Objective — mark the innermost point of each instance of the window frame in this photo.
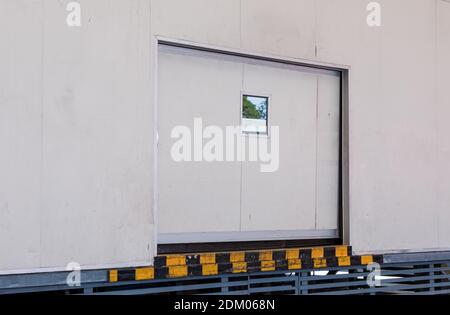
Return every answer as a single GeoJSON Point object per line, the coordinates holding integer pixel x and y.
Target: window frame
{"type": "Point", "coordinates": [241, 118]}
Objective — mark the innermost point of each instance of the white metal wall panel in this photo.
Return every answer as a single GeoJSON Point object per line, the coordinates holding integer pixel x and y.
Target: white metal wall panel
{"type": "Point", "coordinates": [20, 134]}
{"type": "Point", "coordinates": [76, 132]}
{"type": "Point", "coordinates": [97, 136]}
{"type": "Point", "coordinates": [328, 146]}
{"type": "Point", "coordinates": [443, 70]}
{"type": "Point", "coordinates": [268, 199]}
{"type": "Point", "coordinates": [97, 175]}
{"type": "Point", "coordinates": [197, 196]}
{"type": "Point", "coordinates": [282, 28]}
{"type": "Point", "coordinates": [214, 22]}
{"type": "Point", "coordinates": [392, 118]}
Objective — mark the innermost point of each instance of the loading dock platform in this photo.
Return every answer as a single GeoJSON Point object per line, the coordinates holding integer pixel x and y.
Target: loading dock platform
{"type": "Point", "coordinates": [331, 270]}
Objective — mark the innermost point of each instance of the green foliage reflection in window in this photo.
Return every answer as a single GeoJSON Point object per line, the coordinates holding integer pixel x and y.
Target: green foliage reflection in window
{"type": "Point", "coordinates": [254, 107]}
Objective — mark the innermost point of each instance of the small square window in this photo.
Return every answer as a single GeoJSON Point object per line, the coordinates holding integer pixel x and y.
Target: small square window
{"type": "Point", "coordinates": [255, 114]}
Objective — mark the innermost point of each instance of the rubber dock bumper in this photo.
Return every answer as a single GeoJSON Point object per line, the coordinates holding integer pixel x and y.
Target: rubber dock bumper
{"type": "Point", "coordinates": [210, 264]}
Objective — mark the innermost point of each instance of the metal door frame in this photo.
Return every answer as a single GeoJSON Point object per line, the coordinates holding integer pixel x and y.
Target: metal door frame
{"type": "Point", "coordinates": [343, 187]}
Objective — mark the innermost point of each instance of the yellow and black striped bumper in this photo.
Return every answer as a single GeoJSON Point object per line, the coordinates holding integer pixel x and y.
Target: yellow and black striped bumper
{"type": "Point", "coordinates": [209, 264]}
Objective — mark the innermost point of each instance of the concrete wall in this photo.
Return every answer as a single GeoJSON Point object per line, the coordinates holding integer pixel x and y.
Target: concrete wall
{"type": "Point", "coordinates": [76, 117]}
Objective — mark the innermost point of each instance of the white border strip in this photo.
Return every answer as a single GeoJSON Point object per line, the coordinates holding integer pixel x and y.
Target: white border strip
{"type": "Point", "coordinates": [237, 57]}
{"type": "Point", "coordinates": [279, 58]}
{"type": "Point", "coordinates": [220, 237]}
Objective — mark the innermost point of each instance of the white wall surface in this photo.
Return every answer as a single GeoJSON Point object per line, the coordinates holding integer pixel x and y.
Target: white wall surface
{"type": "Point", "coordinates": [443, 123]}
{"type": "Point", "coordinates": [196, 196]}
{"type": "Point", "coordinates": [76, 135]}
{"type": "Point", "coordinates": [76, 117]}
{"type": "Point", "coordinates": [398, 99]}
{"type": "Point", "coordinates": [393, 127]}
{"type": "Point", "coordinates": [20, 133]}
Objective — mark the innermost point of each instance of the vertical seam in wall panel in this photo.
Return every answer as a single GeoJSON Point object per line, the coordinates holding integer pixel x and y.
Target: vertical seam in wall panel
{"type": "Point", "coordinates": [317, 150]}
{"type": "Point", "coordinates": [41, 174]}
{"type": "Point", "coordinates": [153, 61]}
{"type": "Point", "coordinates": [240, 24]}
{"type": "Point", "coordinates": [241, 186]}
{"type": "Point", "coordinates": [315, 31]}
{"type": "Point", "coordinates": [436, 120]}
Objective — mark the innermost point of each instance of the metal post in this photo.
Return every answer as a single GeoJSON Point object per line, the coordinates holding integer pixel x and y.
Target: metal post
{"type": "Point", "coordinates": [303, 283]}
{"type": "Point", "coordinates": [224, 280]}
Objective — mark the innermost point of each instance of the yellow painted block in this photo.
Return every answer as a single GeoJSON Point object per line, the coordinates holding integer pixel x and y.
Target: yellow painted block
{"type": "Point", "coordinates": [145, 273]}
{"type": "Point", "coordinates": [175, 260]}
{"type": "Point", "coordinates": [294, 263]}
{"type": "Point", "coordinates": [366, 260]}
{"type": "Point", "coordinates": [292, 254]}
{"type": "Point", "coordinates": [239, 267]}
{"type": "Point", "coordinates": [113, 276]}
{"type": "Point", "coordinates": [178, 271]}
{"type": "Point", "coordinates": [320, 263]}
{"type": "Point", "coordinates": [344, 261]}
{"type": "Point", "coordinates": [317, 252]}
{"type": "Point", "coordinates": [210, 269]}
{"type": "Point", "coordinates": [265, 255]}
{"type": "Point", "coordinates": [341, 251]}
{"type": "Point", "coordinates": [237, 257]}
{"type": "Point", "coordinates": [207, 259]}
{"type": "Point", "coordinates": [268, 265]}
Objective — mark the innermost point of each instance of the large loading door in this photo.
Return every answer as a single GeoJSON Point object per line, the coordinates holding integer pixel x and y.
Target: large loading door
{"type": "Point", "coordinates": [234, 200]}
